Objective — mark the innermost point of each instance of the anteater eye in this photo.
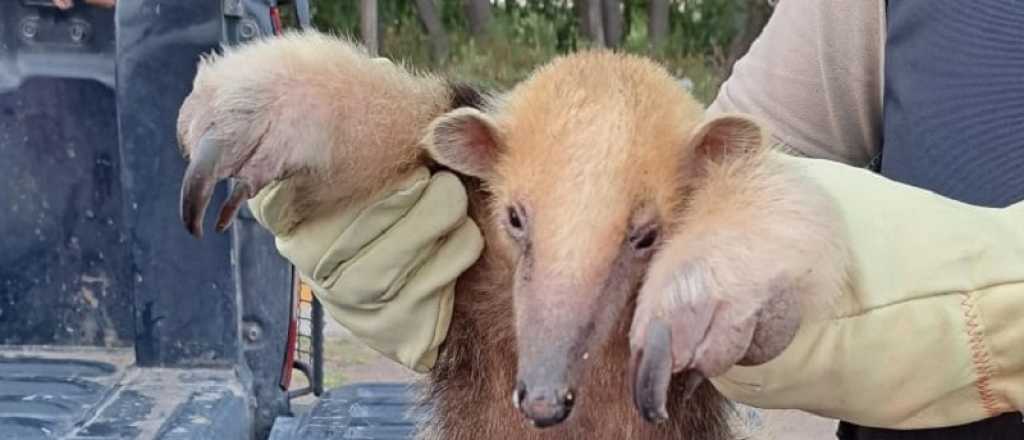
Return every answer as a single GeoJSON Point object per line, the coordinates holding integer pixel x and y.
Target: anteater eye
{"type": "Point", "coordinates": [513, 218]}
{"type": "Point", "coordinates": [645, 239]}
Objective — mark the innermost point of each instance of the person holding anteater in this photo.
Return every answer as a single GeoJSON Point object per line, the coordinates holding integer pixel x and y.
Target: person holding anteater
{"type": "Point", "coordinates": [923, 341]}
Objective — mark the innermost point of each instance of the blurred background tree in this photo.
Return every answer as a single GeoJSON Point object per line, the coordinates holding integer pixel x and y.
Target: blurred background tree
{"type": "Point", "coordinates": [498, 42]}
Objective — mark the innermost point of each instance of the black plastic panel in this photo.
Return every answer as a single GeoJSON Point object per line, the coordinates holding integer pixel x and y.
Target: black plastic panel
{"type": "Point", "coordinates": [92, 394]}
{"type": "Point", "coordinates": [93, 251]}
{"type": "Point", "coordinates": [65, 275]}
{"type": "Point", "coordinates": [43, 398]}
{"type": "Point", "coordinates": [225, 299]}
{"type": "Point", "coordinates": [377, 411]}
{"type": "Point", "coordinates": [266, 281]}
{"type": "Point", "coordinates": [185, 293]}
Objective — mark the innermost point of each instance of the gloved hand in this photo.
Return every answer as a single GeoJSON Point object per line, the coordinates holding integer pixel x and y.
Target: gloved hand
{"type": "Point", "coordinates": [930, 334]}
{"type": "Point", "coordinates": [384, 269]}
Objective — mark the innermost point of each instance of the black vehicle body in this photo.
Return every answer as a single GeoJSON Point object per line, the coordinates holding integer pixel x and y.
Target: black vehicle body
{"type": "Point", "coordinates": [114, 322]}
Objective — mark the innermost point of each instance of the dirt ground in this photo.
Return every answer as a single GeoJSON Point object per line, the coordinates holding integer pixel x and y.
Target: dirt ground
{"type": "Point", "coordinates": [347, 361]}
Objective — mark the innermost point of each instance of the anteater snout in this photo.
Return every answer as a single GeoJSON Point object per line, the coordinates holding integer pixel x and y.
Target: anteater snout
{"type": "Point", "coordinates": [544, 405]}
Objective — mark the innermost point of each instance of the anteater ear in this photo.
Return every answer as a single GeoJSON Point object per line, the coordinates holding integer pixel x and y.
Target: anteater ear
{"type": "Point", "coordinates": [464, 140]}
{"type": "Point", "coordinates": [727, 135]}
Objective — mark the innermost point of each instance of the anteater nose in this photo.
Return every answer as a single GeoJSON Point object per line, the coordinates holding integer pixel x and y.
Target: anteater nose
{"type": "Point", "coordinates": [544, 405]}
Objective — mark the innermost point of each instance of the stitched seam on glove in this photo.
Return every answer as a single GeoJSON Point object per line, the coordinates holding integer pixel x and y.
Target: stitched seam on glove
{"type": "Point", "coordinates": [901, 301]}
{"type": "Point", "coordinates": [912, 298]}
{"type": "Point", "coordinates": [980, 356]}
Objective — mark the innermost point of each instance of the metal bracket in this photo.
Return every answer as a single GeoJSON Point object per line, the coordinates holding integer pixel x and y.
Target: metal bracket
{"type": "Point", "coordinates": [246, 20]}
{"type": "Point", "coordinates": [42, 40]}
{"type": "Point", "coordinates": [233, 8]}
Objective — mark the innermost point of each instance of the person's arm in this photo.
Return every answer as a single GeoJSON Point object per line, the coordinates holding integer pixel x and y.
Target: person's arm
{"type": "Point", "coordinates": [814, 75]}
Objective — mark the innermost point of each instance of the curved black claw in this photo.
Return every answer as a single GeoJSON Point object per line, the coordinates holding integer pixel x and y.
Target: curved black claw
{"type": "Point", "coordinates": [240, 193]}
{"type": "Point", "coordinates": [651, 367]}
{"type": "Point", "coordinates": [692, 381]}
{"type": "Point", "coordinates": [198, 183]}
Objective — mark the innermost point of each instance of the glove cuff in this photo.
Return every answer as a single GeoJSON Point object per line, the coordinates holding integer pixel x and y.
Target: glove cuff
{"type": "Point", "coordinates": [385, 269]}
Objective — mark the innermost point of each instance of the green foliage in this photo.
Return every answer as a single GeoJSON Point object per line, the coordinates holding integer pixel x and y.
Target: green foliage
{"type": "Point", "coordinates": [703, 27]}
{"type": "Point", "coordinates": [525, 33]}
{"type": "Point", "coordinates": [343, 15]}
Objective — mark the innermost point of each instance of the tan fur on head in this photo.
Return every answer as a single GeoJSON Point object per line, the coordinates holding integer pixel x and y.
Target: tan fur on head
{"type": "Point", "coordinates": [597, 135]}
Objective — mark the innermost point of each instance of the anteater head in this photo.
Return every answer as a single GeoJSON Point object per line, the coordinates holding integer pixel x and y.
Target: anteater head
{"type": "Point", "coordinates": [588, 162]}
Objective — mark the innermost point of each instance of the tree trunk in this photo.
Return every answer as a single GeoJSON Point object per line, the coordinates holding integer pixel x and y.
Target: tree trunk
{"type": "Point", "coordinates": [479, 14]}
{"type": "Point", "coordinates": [591, 22]}
{"type": "Point", "coordinates": [627, 18]}
{"type": "Point", "coordinates": [611, 11]}
{"type": "Point", "coordinates": [756, 15]}
{"type": "Point", "coordinates": [657, 22]}
{"type": "Point", "coordinates": [368, 26]}
{"type": "Point", "coordinates": [431, 20]}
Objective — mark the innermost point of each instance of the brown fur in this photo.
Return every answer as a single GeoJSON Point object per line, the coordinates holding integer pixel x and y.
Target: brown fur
{"type": "Point", "coordinates": [595, 143]}
{"type": "Point", "coordinates": [470, 388]}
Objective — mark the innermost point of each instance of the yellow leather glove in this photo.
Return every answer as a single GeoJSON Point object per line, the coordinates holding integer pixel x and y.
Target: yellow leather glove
{"type": "Point", "coordinates": [385, 269]}
{"type": "Point", "coordinates": [931, 333]}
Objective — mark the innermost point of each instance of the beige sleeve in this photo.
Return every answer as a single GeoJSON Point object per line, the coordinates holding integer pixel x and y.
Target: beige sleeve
{"type": "Point", "coordinates": [814, 75]}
